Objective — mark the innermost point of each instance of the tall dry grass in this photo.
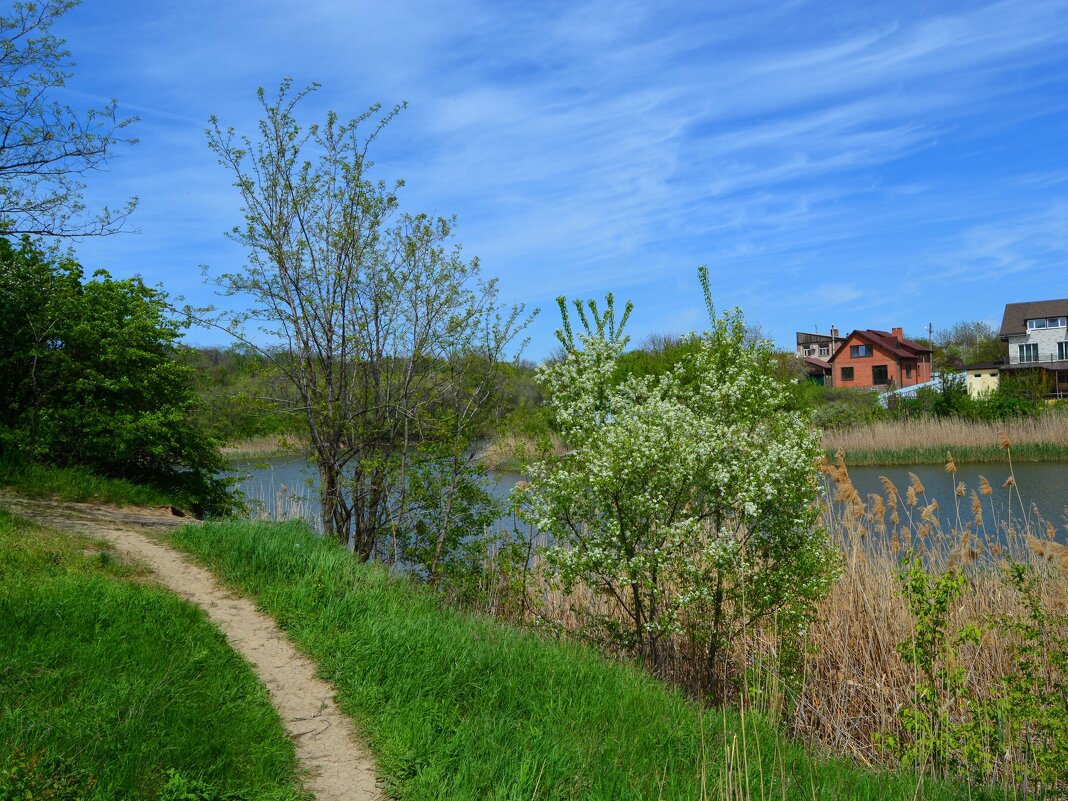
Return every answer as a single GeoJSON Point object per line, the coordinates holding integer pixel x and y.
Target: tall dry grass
{"type": "Point", "coordinates": [510, 451]}
{"type": "Point", "coordinates": [855, 681]}
{"type": "Point", "coordinates": [267, 445]}
{"type": "Point", "coordinates": [948, 434]}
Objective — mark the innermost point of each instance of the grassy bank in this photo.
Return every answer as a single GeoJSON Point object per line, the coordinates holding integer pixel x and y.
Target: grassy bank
{"type": "Point", "coordinates": [108, 684]}
{"type": "Point", "coordinates": [462, 707]}
{"type": "Point", "coordinates": [925, 441]}
{"type": "Point", "coordinates": [77, 484]}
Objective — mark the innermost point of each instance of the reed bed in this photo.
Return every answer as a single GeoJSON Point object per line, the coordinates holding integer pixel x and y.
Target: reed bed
{"type": "Point", "coordinates": [926, 440]}
{"type": "Point", "coordinates": [856, 682]}
{"type": "Point", "coordinates": [510, 451]}
{"type": "Point", "coordinates": [265, 446]}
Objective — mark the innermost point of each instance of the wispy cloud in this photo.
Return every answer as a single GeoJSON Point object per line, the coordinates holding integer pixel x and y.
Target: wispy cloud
{"type": "Point", "coordinates": [595, 145]}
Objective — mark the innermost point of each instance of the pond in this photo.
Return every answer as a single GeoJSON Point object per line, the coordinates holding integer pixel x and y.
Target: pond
{"type": "Point", "coordinates": [1041, 484]}
{"type": "Point", "coordinates": [285, 488]}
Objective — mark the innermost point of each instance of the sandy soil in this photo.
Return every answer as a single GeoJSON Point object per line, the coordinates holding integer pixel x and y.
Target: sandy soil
{"type": "Point", "coordinates": [336, 766]}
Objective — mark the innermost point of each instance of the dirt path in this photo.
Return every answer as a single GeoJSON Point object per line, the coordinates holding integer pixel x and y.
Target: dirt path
{"type": "Point", "coordinates": [336, 767]}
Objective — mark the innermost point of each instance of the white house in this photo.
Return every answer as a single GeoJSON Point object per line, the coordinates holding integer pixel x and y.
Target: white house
{"type": "Point", "coordinates": [1037, 333]}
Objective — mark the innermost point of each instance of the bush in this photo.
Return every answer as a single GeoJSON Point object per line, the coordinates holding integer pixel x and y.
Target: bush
{"type": "Point", "coordinates": [687, 499]}
{"type": "Point", "coordinates": [91, 378]}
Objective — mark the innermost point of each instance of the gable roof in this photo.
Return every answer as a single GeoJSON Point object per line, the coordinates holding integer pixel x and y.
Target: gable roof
{"type": "Point", "coordinates": [1017, 314]}
{"type": "Point", "coordinates": [900, 349]}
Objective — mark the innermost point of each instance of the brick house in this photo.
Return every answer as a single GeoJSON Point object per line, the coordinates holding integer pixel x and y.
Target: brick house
{"type": "Point", "coordinates": [875, 359]}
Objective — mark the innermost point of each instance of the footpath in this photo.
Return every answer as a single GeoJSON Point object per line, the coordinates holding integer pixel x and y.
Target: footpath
{"type": "Point", "coordinates": [334, 764]}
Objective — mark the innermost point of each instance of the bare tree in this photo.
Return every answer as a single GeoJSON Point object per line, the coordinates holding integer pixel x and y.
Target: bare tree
{"type": "Point", "coordinates": [392, 340]}
{"type": "Point", "coordinates": [47, 147]}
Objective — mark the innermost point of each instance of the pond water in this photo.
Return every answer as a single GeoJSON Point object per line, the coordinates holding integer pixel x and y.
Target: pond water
{"type": "Point", "coordinates": [1041, 484]}
{"type": "Point", "coordinates": [285, 488]}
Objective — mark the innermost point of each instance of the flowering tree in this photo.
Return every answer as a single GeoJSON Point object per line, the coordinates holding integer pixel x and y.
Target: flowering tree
{"type": "Point", "coordinates": [687, 500]}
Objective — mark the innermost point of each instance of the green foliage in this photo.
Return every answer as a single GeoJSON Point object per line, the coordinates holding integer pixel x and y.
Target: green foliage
{"type": "Point", "coordinates": [104, 675]}
{"type": "Point", "coordinates": [241, 394]}
{"type": "Point", "coordinates": [77, 484]}
{"type": "Point", "coordinates": [91, 378]}
{"type": "Point", "coordinates": [687, 499]}
{"type": "Point", "coordinates": [939, 739]}
{"type": "Point", "coordinates": [1036, 692]}
{"type": "Point", "coordinates": [948, 731]}
{"type": "Point", "coordinates": [35, 777]}
{"type": "Point", "coordinates": [460, 706]}
{"type": "Point", "coordinates": [391, 341]}
{"type": "Point", "coordinates": [967, 343]}
{"type": "Point", "coordinates": [950, 399]}
{"type": "Point", "coordinates": [179, 788]}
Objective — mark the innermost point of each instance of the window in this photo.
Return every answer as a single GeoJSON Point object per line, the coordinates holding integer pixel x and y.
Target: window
{"type": "Point", "coordinates": [1047, 322]}
{"type": "Point", "coordinates": [858, 351]}
{"type": "Point", "coordinates": [1062, 351]}
{"type": "Point", "coordinates": [880, 374]}
{"type": "Point", "coordinates": [978, 375]}
{"type": "Point", "coordinates": [825, 350]}
{"type": "Point", "coordinates": [847, 373]}
{"type": "Point", "coordinates": [1029, 352]}
{"type": "Point", "coordinates": [908, 371]}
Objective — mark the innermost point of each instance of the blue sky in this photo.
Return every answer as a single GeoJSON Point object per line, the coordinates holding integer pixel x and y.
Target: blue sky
{"type": "Point", "coordinates": [858, 164]}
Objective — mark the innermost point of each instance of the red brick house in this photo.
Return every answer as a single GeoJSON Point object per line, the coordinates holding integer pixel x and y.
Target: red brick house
{"type": "Point", "coordinates": [869, 358]}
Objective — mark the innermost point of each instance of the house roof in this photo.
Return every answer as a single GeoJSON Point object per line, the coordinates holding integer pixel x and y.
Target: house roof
{"type": "Point", "coordinates": [901, 349]}
{"type": "Point", "coordinates": [1017, 314]}
{"type": "Point", "coordinates": [818, 364]}
{"type": "Point", "coordinates": [809, 338]}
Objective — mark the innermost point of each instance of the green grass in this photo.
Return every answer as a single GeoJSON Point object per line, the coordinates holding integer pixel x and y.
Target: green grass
{"type": "Point", "coordinates": [102, 675]}
{"type": "Point", "coordinates": [461, 707]}
{"type": "Point", "coordinates": [936, 454]}
{"type": "Point", "coordinates": [77, 484]}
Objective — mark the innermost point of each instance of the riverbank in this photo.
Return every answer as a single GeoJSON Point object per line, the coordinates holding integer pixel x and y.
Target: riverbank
{"type": "Point", "coordinates": [925, 441]}
{"type": "Point", "coordinates": [459, 705]}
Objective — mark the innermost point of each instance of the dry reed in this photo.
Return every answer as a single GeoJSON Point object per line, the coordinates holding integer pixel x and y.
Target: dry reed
{"type": "Point", "coordinates": [511, 451]}
{"type": "Point", "coordinates": [268, 445]}
{"type": "Point", "coordinates": [947, 434]}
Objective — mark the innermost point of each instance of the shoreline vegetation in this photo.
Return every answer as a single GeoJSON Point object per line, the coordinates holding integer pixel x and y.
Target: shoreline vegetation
{"type": "Point", "coordinates": [459, 704]}
{"type": "Point", "coordinates": [856, 681]}
{"type": "Point", "coordinates": [926, 440]}
{"type": "Point", "coordinates": [883, 443]}
{"type": "Point", "coordinates": [267, 446]}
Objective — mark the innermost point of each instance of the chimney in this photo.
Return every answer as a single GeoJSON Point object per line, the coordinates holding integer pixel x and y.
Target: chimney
{"type": "Point", "coordinates": [834, 332]}
{"type": "Point", "coordinates": [898, 333]}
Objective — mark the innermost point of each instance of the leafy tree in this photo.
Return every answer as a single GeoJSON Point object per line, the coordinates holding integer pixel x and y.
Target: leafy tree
{"type": "Point", "coordinates": [967, 343]}
{"type": "Point", "coordinates": [687, 499]}
{"type": "Point", "coordinates": [90, 377]}
{"type": "Point", "coordinates": [46, 146]}
{"type": "Point", "coordinates": [393, 342]}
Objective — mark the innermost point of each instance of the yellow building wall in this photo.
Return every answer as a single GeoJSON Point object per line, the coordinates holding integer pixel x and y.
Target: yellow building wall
{"type": "Point", "coordinates": [980, 381]}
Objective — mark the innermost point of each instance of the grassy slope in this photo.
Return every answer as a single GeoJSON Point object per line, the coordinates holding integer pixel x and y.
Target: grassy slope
{"type": "Point", "coordinates": [77, 484]}
{"type": "Point", "coordinates": [462, 707]}
{"type": "Point", "coordinates": [124, 681]}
